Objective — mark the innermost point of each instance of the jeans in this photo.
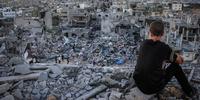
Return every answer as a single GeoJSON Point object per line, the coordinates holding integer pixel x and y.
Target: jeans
{"type": "Point", "coordinates": [176, 70]}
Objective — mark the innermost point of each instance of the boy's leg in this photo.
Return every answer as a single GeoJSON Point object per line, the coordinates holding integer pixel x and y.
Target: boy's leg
{"type": "Point", "coordinates": [176, 70]}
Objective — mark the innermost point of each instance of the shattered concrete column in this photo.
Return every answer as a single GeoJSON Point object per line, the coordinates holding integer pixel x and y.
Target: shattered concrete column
{"type": "Point", "coordinates": [93, 92]}
{"type": "Point", "coordinates": [195, 40]}
{"type": "Point", "coordinates": [187, 35]}
{"type": "Point", "coordinates": [167, 38]}
{"type": "Point", "coordinates": [182, 38]}
{"type": "Point", "coordinates": [48, 20]}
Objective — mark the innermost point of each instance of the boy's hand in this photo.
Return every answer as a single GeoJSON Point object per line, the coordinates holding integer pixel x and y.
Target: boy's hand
{"type": "Point", "coordinates": [179, 59]}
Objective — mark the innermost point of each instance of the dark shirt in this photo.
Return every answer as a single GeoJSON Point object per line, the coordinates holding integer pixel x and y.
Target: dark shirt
{"type": "Point", "coordinates": [149, 71]}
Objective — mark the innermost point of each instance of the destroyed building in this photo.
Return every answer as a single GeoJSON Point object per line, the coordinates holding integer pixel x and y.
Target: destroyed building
{"type": "Point", "coordinates": [87, 49]}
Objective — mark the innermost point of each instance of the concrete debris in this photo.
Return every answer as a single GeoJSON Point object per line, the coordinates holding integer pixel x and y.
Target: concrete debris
{"type": "Point", "coordinates": [43, 76]}
{"type": "Point", "coordinates": [56, 70]}
{"type": "Point", "coordinates": [2, 48]}
{"type": "Point", "coordinates": [38, 67]}
{"type": "Point", "coordinates": [19, 77]}
{"type": "Point", "coordinates": [8, 97]}
{"type": "Point", "coordinates": [87, 49]}
{"type": "Point", "coordinates": [19, 84]}
{"type": "Point", "coordinates": [22, 69]}
{"type": "Point", "coordinates": [44, 92]}
{"type": "Point", "coordinates": [115, 95]}
{"type": "Point", "coordinates": [15, 61]}
{"type": "Point", "coordinates": [136, 94]}
{"type": "Point", "coordinates": [3, 59]}
{"type": "Point", "coordinates": [191, 74]}
{"type": "Point", "coordinates": [35, 94]}
{"type": "Point", "coordinates": [4, 88]}
{"type": "Point", "coordinates": [93, 92]}
{"type": "Point", "coordinates": [42, 84]}
{"type": "Point", "coordinates": [18, 94]}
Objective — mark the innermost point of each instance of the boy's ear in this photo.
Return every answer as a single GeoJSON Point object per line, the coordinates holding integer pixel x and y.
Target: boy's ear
{"type": "Point", "coordinates": [162, 34]}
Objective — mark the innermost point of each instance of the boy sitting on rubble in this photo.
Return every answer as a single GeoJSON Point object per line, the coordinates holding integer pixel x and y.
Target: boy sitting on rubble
{"type": "Point", "coordinates": [157, 63]}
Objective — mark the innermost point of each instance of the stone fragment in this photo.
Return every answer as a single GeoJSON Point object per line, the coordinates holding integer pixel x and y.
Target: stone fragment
{"type": "Point", "coordinates": [4, 88]}
{"type": "Point", "coordinates": [36, 96]}
{"type": "Point", "coordinates": [3, 59]}
{"type": "Point", "coordinates": [43, 76]}
{"type": "Point", "coordinates": [8, 97]}
{"type": "Point", "coordinates": [18, 94]}
{"type": "Point", "coordinates": [115, 95]}
{"type": "Point", "coordinates": [27, 96]}
{"type": "Point", "coordinates": [15, 61]}
{"type": "Point", "coordinates": [35, 91]}
{"type": "Point", "coordinates": [56, 70]}
{"type": "Point", "coordinates": [2, 47]}
{"type": "Point", "coordinates": [44, 92]}
{"type": "Point", "coordinates": [42, 84]}
{"type": "Point", "coordinates": [53, 75]}
{"type": "Point", "coordinates": [20, 77]}
{"type": "Point", "coordinates": [103, 99]}
{"type": "Point", "coordinates": [68, 95]}
{"type": "Point", "coordinates": [22, 69]}
{"type": "Point", "coordinates": [136, 94]}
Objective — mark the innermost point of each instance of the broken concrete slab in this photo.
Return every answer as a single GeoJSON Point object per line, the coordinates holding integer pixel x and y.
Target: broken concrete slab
{"type": "Point", "coordinates": [42, 84]}
{"type": "Point", "coordinates": [15, 61]}
{"type": "Point", "coordinates": [8, 97]}
{"type": "Point", "coordinates": [92, 92]}
{"type": "Point", "coordinates": [44, 92]}
{"type": "Point", "coordinates": [22, 69]}
{"type": "Point", "coordinates": [35, 95]}
{"type": "Point", "coordinates": [3, 59]}
{"type": "Point", "coordinates": [53, 75]}
{"type": "Point", "coordinates": [108, 81]}
{"type": "Point", "coordinates": [35, 91]}
{"type": "Point", "coordinates": [136, 94]}
{"type": "Point", "coordinates": [115, 95]}
{"type": "Point", "coordinates": [19, 84]}
{"type": "Point", "coordinates": [191, 74]}
{"type": "Point", "coordinates": [38, 67]}
{"type": "Point", "coordinates": [19, 77]}
{"type": "Point", "coordinates": [4, 88]}
{"type": "Point", "coordinates": [3, 47]}
{"type": "Point", "coordinates": [56, 70]}
{"type": "Point", "coordinates": [68, 95]}
{"type": "Point", "coordinates": [43, 76]}
{"type": "Point", "coordinates": [18, 94]}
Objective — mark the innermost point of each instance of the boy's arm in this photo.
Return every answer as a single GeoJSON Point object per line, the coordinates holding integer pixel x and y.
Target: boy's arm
{"type": "Point", "coordinates": [175, 57]}
{"type": "Point", "coordinates": [179, 59]}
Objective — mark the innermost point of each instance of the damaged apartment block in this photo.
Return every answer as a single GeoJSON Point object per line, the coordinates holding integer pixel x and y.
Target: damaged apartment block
{"type": "Point", "coordinates": [88, 49]}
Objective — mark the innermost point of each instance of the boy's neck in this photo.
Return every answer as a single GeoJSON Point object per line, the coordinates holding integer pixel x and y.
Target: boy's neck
{"type": "Point", "coordinates": [155, 38]}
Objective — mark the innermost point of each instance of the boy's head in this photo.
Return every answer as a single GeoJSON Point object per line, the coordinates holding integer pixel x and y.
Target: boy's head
{"type": "Point", "coordinates": [157, 28]}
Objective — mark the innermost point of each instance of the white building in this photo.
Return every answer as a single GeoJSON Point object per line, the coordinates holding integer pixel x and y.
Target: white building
{"type": "Point", "coordinates": [8, 12]}
{"type": "Point", "coordinates": [177, 7]}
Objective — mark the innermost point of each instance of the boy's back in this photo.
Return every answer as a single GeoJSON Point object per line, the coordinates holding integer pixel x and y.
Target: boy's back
{"type": "Point", "coordinates": [149, 70]}
{"type": "Point", "coordinates": [152, 71]}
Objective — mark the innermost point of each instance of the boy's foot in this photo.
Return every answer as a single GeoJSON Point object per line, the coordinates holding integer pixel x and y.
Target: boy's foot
{"type": "Point", "coordinates": [194, 93]}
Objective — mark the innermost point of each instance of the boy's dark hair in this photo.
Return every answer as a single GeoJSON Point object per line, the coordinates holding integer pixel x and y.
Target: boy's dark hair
{"type": "Point", "coordinates": [157, 28]}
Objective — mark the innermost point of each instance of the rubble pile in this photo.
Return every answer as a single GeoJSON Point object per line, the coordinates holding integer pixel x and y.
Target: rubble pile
{"type": "Point", "coordinates": [75, 82]}
{"type": "Point", "coordinates": [87, 49]}
{"type": "Point", "coordinates": [96, 69]}
{"type": "Point", "coordinates": [62, 81]}
{"type": "Point", "coordinates": [103, 50]}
